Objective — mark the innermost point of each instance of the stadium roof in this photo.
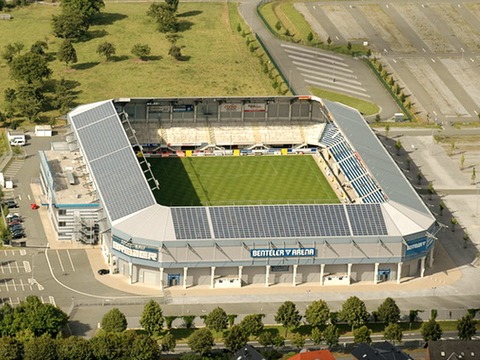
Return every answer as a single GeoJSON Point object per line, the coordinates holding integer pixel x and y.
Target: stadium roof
{"type": "Point", "coordinates": [112, 164]}
{"type": "Point", "coordinates": [381, 165]}
{"type": "Point", "coordinates": [133, 211]}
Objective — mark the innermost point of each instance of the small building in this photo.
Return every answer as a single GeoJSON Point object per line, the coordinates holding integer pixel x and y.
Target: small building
{"type": "Point", "coordinates": [43, 130]}
{"type": "Point", "coordinates": [313, 355]}
{"type": "Point", "coordinates": [68, 194]}
{"type": "Point", "coordinates": [379, 351]}
{"type": "Point", "coordinates": [16, 138]}
{"type": "Point", "coordinates": [247, 352]}
{"type": "Point", "coordinates": [453, 350]}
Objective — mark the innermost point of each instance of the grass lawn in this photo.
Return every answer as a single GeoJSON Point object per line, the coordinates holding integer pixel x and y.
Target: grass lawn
{"type": "Point", "coordinates": [219, 62]}
{"type": "Point", "coordinates": [365, 107]}
{"type": "Point", "coordinates": [241, 180]}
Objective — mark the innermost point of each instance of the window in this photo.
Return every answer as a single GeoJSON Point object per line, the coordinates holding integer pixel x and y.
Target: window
{"type": "Point", "coordinates": [62, 223]}
{"type": "Point", "coordinates": [62, 212]}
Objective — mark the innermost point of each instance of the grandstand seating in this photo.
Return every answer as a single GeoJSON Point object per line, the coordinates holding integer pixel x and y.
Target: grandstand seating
{"type": "Point", "coordinates": [360, 180]}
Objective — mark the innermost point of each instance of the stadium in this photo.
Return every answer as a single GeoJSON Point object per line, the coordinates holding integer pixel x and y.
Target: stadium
{"type": "Point", "coordinates": [323, 202]}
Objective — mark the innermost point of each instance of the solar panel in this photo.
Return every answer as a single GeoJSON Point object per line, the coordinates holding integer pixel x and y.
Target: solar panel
{"type": "Point", "coordinates": [113, 164]}
{"type": "Point", "coordinates": [124, 190]}
{"type": "Point", "coordinates": [190, 223]}
{"type": "Point", "coordinates": [278, 221]}
{"type": "Point", "coordinates": [366, 219]}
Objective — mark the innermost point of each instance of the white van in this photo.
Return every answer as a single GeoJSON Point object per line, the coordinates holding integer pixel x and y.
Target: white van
{"type": "Point", "coordinates": [17, 142]}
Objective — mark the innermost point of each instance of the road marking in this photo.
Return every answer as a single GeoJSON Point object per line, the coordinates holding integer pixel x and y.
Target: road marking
{"type": "Point", "coordinates": [41, 298]}
{"type": "Point", "coordinates": [60, 261]}
{"type": "Point", "coordinates": [336, 37]}
{"type": "Point", "coordinates": [434, 113]}
{"type": "Point", "coordinates": [29, 198]}
{"type": "Point", "coordinates": [386, 6]}
{"type": "Point", "coordinates": [70, 258]}
{"type": "Point", "coordinates": [424, 50]}
{"type": "Point", "coordinates": [6, 285]}
{"type": "Point", "coordinates": [27, 267]}
{"type": "Point", "coordinates": [476, 112]}
{"type": "Point", "coordinates": [462, 50]}
{"type": "Point", "coordinates": [423, 6]}
{"type": "Point", "coordinates": [3, 272]}
{"type": "Point", "coordinates": [433, 60]}
{"type": "Point", "coordinates": [52, 300]}
{"type": "Point", "coordinates": [40, 287]}
{"type": "Point", "coordinates": [385, 50]}
{"type": "Point", "coordinates": [395, 61]}
{"type": "Point", "coordinates": [314, 7]}
{"type": "Point", "coordinates": [19, 197]}
{"type": "Point", "coordinates": [23, 252]}
{"type": "Point", "coordinates": [9, 268]}
{"type": "Point", "coordinates": [472, 60]}
{"type": "Point", "coordinates": [14, 286]}
{"type": "Point", "coordinates": [16, 264]}
{"type": "Point", "coordinates": [21, 284]}
{"type": "Point", "coordinates": [11, 302]}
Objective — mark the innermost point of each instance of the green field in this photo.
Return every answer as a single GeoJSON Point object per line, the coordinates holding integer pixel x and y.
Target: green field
{"type": "Point", "coordinates": [241, 181]}
{"type": "Point", "coordinates": [218, 60]}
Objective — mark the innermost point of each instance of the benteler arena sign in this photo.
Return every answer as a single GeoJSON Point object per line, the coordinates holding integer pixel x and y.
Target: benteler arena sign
{"type": "Point", "coordinates": [285, 252]}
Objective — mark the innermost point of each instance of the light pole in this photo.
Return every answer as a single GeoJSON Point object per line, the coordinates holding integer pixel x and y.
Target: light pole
{"type": "Point", "coordinates": [433, 289]}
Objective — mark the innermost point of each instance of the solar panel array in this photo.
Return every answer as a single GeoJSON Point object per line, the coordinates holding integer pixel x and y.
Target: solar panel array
{"type": "Point", "coordinates": [277, 221]}
{"type": "Point", "coordinates": [366, 219]}
{"type": "Point", "coordinates": [114, 166]}
{"type": "Point", "coordinates": [190, 223]}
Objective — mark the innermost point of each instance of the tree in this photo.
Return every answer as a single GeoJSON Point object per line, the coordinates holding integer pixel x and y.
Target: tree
{"type": "Point", "coordinates": [317, 313]}
{"type": "Point", "coordinates": [12, 50]}
{"type": "Point", "coordinates": [11, 348]}
{"type": "Point", "coordinates": [106, 49]}
{"type": "Point", "coordinates": [310, 37]}
{"type": "Point", "coordinates": [298, 340]}
{"type": "Point", "coordinates": [217, 319]}
{"type": "Point", "coordinates": [252, 324]}
{"type": "Point", "coordinates": [235, 338]}
{"type": "Point", "coordinates": [168, 342]}
{"type": "Point", "coordinates": [114, 321]}
{"type": "Point", "coordinates": [70, 25]}
{"type": "Point", "coordinates": [30, 68]}
{"type": "Point", "coordinates": [143, 347]}
{"type": "Point", "coordinates": [362, 335]}
{"type": "Point", "coordinates": [152, 318]}
{"type": "Point", "coordinates": [288, 315]}
{"type": "Point", "coordinates": [111, 345]}
{"type": "Point", "coordinates": [331, 335]}
{"type": "Point", "coordinates": [393, 332]}
{"type": "Point", "coordinates": [141, 51]}
{"type": "Point", "coordinates": [67, 53]}
{"type": "Point", "coordinates": [278, 25]}
{"type": "Point", "coordinates": [164, 16]}
{"type": "Point", "coordinates": [62, 96]}
{"type": "Point", "coordinates": [188, 320]}
{"type": "Point", "coordinates": [474, 176]}
{"type": "Point", "coordinates": [39, 47]}
{"type": "Point", "coordinates": [201, 341]}
{"type": "Point", "coordinates": [3, 3]}
{"type": "Point", "coordinates": [354, 312]}
{"type": "Point", "coordinates": [316, 336]}
{"type": "Point", "coordinates": [387, 130]}
{"type": "Point", "coordinates": [87, 8]}
{"type": "Point", "coordinates": [169, 321]}
{"type": "Point", "coordinates": [42, 347]}
{"type": "Point", "coordinates": [454, 222]}
{"type": "Point", "coordinates": [466, 327]}
{"type": "Point", "coordinates": [172, 4]}
{"type": "Point", "coordinates": [398, 146]}
{"type": "Point", "coordinates": [431, 330]}
{"type": "Point", "coordinates": [349, 46]}
{"type": "Point", "coordinates": [388, 311]}
{"type": "Point", "coordinates": [329, 41]}
{"type": "Point", "coordinates": [74, 348]}
{"type": "Point", "coordinates": [174, 51]}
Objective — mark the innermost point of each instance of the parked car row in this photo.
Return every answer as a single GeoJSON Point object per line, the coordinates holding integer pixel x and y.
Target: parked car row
{"type": "Point", "coordinates": [15, 226]}
{"type": "Point", "coordinates": [11, 204]}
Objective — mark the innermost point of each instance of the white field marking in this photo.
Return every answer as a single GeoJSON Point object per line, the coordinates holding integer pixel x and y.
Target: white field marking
{"type": "Point", "coordinates": [60, 261]}
{"type": "Point", "coordinates": [70, 258]}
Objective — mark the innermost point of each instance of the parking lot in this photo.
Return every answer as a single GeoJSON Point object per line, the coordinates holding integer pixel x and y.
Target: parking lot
{"type": "Point", "coordinates": [430, 48]}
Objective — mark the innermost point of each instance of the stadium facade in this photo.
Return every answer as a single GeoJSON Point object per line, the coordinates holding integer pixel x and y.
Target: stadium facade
{"type": "Point", "coordinates": [381, 230]}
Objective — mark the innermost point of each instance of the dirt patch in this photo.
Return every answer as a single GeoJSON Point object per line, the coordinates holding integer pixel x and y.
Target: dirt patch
{"type": "Point", "coordinates": [424, 28]}
{"type": "Point", "coordinates": [387, 29]}
{"type": "Point", "coordinates": [439, 93]}
{"type": "Point", "coordinates": [466, 73]}
{"type": "Point", "coordinates": [344, 22]}
{"type": "Point", "coordinates": [462, 29]}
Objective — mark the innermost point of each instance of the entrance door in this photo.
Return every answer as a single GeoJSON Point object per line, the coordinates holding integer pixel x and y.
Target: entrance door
{"type": "Point", "coordinates": [173, 279]}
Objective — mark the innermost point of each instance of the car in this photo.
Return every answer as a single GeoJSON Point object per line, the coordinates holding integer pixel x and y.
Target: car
{"type": "Point", "coordinates": [11, 204]}
{"type": "Point", "coordinates": [103, 272]}
{"type": "Point", "coordinates": [16, 227]}
{"type": "Point", "coordinates": [14, 222]}
{"type": "Point", "coordinates": [12, 215]}
{"type": "Point", "coordinates": [18, 235]}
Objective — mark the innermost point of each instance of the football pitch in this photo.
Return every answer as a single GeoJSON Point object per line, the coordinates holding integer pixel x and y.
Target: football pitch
{"type": "Point", "coordinates": [237, 180]}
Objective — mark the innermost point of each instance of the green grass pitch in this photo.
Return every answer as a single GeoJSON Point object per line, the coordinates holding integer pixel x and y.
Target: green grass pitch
{"type": "Point", "coordinates": [216, 181]}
